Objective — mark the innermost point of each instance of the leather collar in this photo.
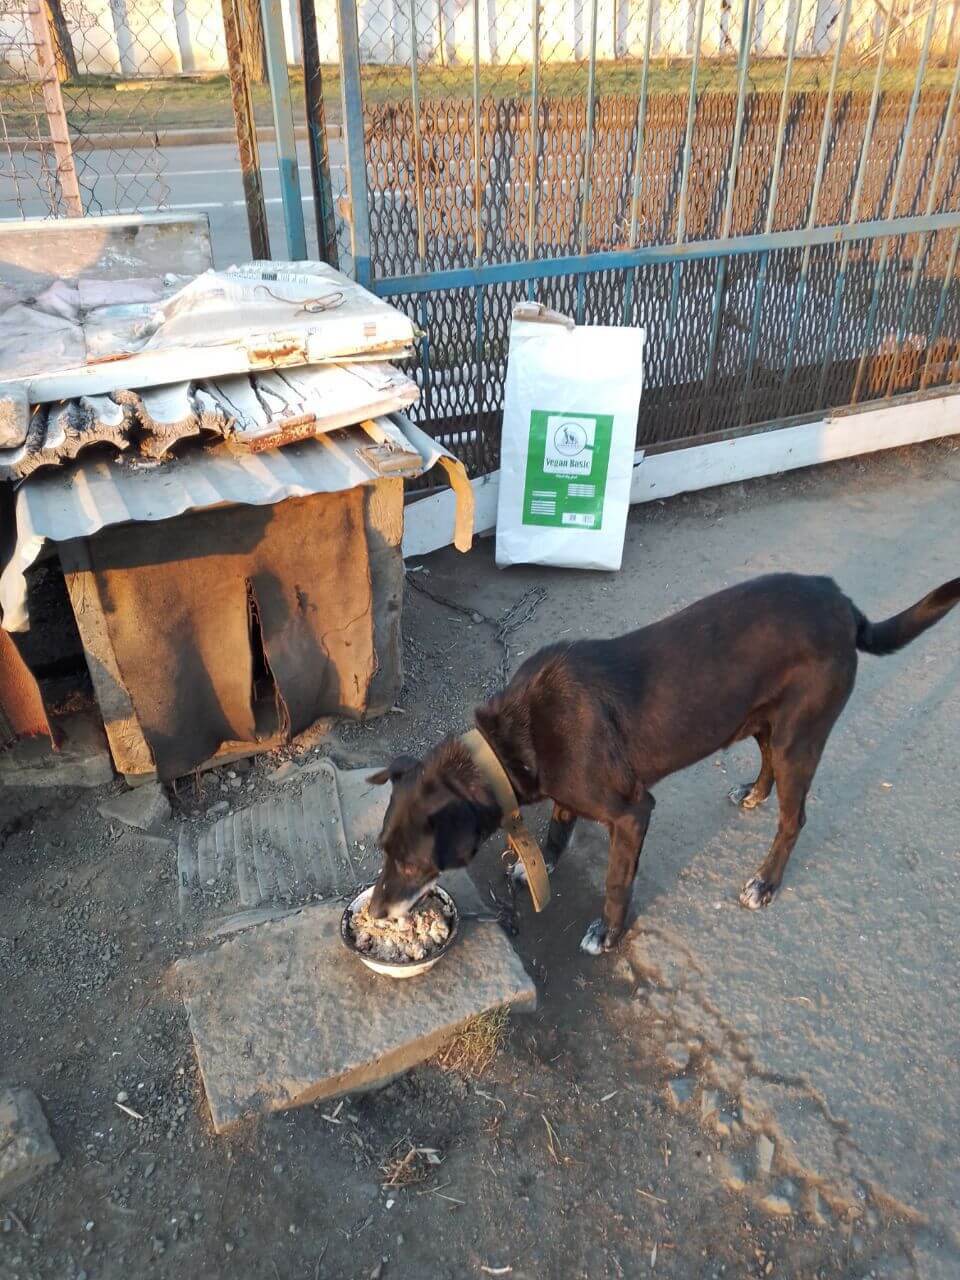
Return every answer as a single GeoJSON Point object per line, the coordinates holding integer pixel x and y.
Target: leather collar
{"type": "Point", "coordinates": [518, 837]}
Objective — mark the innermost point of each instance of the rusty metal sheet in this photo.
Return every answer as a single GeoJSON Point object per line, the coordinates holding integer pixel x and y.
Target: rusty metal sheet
{"type": "Point", "coordinates": [22, 713]}
{"type": "Point", "coordinates": [193, 608]}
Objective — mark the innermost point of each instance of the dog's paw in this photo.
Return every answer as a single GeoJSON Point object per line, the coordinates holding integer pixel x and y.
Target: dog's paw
{"type": "Point", "coordinates": [743, 796]}
{"type": "Point", "coordinates": [757, 893]}
{"type": "Point", "coordinates": [517, 873]}
{"type": "Point", "coordinates": [596, 941]}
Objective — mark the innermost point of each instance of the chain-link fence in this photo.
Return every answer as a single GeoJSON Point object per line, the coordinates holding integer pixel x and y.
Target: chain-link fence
{"type": "Point", "coordinates": [522, 131]}
{"type": "Point", "coordinates": [92, 88]}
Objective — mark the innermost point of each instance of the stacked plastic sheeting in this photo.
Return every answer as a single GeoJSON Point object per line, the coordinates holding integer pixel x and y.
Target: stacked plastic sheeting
{"type": "Point", "coordinates": [260, 356]}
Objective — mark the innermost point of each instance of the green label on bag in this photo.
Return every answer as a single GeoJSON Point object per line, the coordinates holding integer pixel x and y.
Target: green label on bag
{"type": "Point", "coordinates": [567, 459]}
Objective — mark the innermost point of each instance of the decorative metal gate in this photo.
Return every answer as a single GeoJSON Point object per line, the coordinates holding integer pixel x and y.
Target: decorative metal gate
{"type": "Point", "coordinates": [772, 193]}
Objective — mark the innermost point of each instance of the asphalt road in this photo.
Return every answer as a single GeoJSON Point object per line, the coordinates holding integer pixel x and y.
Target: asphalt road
{"type": "Point", "coordinates": [197, 179]}
{"type": "Point", "coordinates": [822, 1034]}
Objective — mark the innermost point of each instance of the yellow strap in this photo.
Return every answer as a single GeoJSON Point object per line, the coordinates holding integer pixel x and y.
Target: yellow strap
{"type": "Point", "coordinates": [465, 502]}
{"type": "Point", "coordinates": [518, 837]}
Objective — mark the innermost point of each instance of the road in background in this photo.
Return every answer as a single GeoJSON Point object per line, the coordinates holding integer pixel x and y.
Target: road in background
{"type": "Point", "coordinates": [202, 179]}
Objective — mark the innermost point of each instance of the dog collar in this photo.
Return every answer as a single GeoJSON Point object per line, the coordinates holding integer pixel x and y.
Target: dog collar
{"type": "Point", "coordinates": [518, 837]}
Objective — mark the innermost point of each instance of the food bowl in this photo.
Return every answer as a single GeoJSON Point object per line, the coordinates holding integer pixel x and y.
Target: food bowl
{"type": "Point", "coordinates": [400, 968]}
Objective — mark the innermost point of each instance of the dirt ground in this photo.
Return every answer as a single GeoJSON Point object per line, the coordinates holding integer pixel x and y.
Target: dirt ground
{"type": "Point", "coordinates": [625, 1129]}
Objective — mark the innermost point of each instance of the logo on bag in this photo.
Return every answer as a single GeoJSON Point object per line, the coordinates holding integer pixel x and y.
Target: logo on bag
{"type": "Point", "coordinates": [569, 445]}
{"type": "Point", "coordinates": [570, 439]}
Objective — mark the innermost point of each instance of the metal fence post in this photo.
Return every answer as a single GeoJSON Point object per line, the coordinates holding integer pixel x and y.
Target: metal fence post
{"type": "Point", "coordinates": [726, 223]}
{"type": "Point", "coordinates": [894, 201]}
{"type": "Point", "coordinates": [584, 202]}
{"type": "Point", "coordinates": [840, 282]}
{"type": "Point", "coordinates": [685, 171]}
{"type": "Point", "coordinates": [246, 131]}
{"type": "Point", "coordinates": [763, 264]}
{"type": "Point", "coordinates": [286, 144]}
{"type": "Point", "coordinates": [417, 139]}
{"type": "Point", "coordinates": [826, 131]}
{"type": "Point", "coordinates": [906, 312]}
{"type": "Point", "coordinates": [584, 209]}
{"type": "Point", "coordinates": [317, 132]}
{"type": "Point", "coordinates": [630, 281]}
{"type": "Point", "coordinates": [356, 150]}
{"type": "Point", "coordinates": [534, 140]}
{"type": "Point", "coordinates": [477, 140]}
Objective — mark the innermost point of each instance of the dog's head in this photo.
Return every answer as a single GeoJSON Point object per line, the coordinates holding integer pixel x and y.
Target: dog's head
{"type": "Point", "coordinates": [441, 810]}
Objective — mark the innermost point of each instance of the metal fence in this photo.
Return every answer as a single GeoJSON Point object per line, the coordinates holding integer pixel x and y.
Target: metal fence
{"type": "Point", "coordinates": [770, 190]}
{"type": "Point", "coordinates": [769, 187]}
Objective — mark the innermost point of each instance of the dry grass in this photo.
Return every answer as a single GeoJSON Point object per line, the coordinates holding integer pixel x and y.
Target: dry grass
{"type": "Point", "coordinates": [416, 1164]}
{"type": "Point", "coordinates": [101, 103]}
{"type": "Point", "coordinates": [476, 1044]}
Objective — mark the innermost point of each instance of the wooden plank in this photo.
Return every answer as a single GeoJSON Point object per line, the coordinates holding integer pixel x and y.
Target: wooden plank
{"type": "Point", "coordinates": [131, 753]}
{"type": "Point", "coordinates": [22, 713]}
{"type": "Point", "coordinates": [281, 407]}
{"type": "Point", "coordinates": [429, 521]}
{"type": "Point", "coordinates": [383, 517]}
{"type": "Point", "coordinates": [241, 94]}
{"type": "Point", "coordinates": [391, 453]}
{"type": "Point", "coordinates": [55, 112]}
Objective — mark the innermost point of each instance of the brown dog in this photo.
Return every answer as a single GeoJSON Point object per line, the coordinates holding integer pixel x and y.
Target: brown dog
{"type": "Point", "coordinates": [594, 725]}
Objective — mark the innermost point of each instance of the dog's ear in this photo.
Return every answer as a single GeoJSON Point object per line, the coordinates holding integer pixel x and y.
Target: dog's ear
{"type": "Point", "coordinates": [394, 770]}
{"type": "Point", "coordinates": [456, 834]}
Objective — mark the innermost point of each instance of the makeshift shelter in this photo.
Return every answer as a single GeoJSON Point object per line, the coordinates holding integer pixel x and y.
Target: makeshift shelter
{"type": "Point", "coordinates": [231, 544]}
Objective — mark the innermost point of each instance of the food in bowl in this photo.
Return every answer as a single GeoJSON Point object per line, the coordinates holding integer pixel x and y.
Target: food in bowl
{"type": "Point", "coordinates": [417, 936]}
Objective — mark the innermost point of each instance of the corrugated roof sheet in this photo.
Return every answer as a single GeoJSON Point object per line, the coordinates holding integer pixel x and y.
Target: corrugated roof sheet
{"type": "Point", "coordinates": [75, 502]}
{"type": "Point", "coordinates": [255, 411]}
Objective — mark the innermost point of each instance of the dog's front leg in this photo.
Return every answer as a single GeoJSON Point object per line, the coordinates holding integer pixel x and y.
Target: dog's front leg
{"type": "Point", "coordinates": [627, 834]}
{"type": "Point", "coordinates": [559, 838]}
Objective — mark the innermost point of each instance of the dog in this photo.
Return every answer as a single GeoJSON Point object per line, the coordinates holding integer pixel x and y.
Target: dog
{"type": "Point", "coordinates": [594, 725]}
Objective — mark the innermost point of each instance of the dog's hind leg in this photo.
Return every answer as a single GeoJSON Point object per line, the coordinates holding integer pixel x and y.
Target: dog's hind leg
{"type": "Point", "coordinates": [627, 834]}
{"type": "Point", "coordinates": [794, 776]}
{"type": "Point", "coordinates": [559, 839]}
{"type": "Point", "coordinates": [797, 739]}
{"type": "Point", "coordinates": [748, 795]}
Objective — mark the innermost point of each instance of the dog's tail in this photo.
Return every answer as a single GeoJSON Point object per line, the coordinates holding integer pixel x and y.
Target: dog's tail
{"type": "Point", "coordinates": [893, 633]}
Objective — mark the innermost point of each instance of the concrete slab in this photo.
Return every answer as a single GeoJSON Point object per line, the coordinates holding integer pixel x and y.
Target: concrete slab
{"type": "Point", "coordinates": [363, 804]}
{"type": "Point", "coordinates": [145, 807]}
{"type": "Point", "coordinates": [282, 1015]}
{"type": "Point", "coordinates": [291, 847]}
{"type": "Point", "coordinates": [26, 1148]}
{"type": "Point", "coordinates": [83, 758]}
